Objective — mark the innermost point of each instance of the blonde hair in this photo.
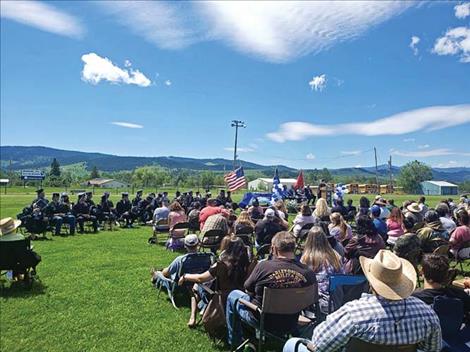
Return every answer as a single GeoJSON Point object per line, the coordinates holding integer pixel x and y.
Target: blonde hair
{"type": "Point", "coordinates": [280, 205]}
{"type": "Point", "coordinates": [318, 251]}
{"type": "Point", "coordinates": [245, 219]}
{"type": "Point", "coordinates": [338, 220]}
{"type": "Point", "coordinates": [321, 208]}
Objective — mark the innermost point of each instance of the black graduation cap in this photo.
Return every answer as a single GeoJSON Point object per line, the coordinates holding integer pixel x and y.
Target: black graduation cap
{"type": "Point", "coordinates": [40, 190]}
{"type": "Point", "coordinates": [124, 194]}
{"type": "Point", "coordinates": [56, 194]}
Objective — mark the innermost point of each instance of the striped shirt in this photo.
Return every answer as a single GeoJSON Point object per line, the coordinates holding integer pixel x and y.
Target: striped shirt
{"type": "Point", "coordinates": [372, 319]}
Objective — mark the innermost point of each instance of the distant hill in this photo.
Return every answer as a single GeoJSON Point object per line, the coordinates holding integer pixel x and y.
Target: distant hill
{"type": "Point", "coordinates": [41, 157]}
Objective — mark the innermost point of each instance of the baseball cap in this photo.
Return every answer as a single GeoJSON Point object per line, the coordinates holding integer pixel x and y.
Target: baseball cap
{"type": "Point", "coordinates": [269, 213]}
{"type": "Point", "coordinates": [191, 240]}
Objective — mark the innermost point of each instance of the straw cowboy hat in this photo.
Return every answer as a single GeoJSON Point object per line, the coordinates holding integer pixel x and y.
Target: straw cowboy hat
{"type": "Point", "coordinates": [414, 208]}
{"type": "Point", "coordinates": [8, 225]}
{"type": "Point", "coordinates": [390, 276]}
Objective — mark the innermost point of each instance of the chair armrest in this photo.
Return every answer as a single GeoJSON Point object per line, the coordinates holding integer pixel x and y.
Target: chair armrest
{"type": "Point", "coordinates": [207, 289]}
{"type": "Point", "coordinates": [250, 305]}
{"type": "Point", "coordinates": [309, 344]}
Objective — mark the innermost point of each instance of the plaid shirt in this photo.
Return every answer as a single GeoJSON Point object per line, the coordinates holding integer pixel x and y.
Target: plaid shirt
{"type": "Point", "coordinates": [372, 319]}
{"type": "Point", "coordinates": [215, 222]}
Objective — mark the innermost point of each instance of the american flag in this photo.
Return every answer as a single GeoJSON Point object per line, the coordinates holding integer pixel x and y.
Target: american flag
{"type": "Point", "coordinates": [235, 179]}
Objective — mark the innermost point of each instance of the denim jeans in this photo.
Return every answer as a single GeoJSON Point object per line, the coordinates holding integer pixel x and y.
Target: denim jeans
{"type": "Point", "coordinates": [235, 314]}
{"type": "Point", "coordinates": [291, 344]}
{"type": "Point", "coordinates": [68, 219]}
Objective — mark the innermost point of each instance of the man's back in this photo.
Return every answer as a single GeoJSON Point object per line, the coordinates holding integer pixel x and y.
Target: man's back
{"type": "Point", "coordinates": [265, 230]}
{"type": "Point", "coordinates": [278, 273]}
{"type": "Point", "coordinates": [377, 320]}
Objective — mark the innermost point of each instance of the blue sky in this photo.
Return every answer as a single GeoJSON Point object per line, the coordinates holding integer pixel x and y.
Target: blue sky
{"type": "Point", "coordinates": [312, 80]}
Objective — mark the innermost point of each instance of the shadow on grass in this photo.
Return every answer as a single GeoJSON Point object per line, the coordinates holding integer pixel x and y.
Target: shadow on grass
{"type": "Point", "coordinates": [20, 289]}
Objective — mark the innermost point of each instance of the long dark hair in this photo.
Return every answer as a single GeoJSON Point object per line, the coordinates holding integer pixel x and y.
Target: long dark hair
{"type": "Point", "coordinates": [235, 257]}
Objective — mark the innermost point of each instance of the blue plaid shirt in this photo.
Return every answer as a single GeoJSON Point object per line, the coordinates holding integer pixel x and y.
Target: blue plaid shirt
{"type": "Point", "coordinates": [372, 319]}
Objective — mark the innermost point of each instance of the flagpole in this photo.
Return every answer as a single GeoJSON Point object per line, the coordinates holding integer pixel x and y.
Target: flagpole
{"type": "Point", "coordinates": [236, 124]}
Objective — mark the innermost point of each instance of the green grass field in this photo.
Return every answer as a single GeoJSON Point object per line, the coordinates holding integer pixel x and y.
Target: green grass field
{"type": "Point", "coordinates": [94, 294]}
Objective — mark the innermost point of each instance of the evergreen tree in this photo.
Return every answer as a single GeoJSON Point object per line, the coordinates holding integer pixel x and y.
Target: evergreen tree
{"type": "Point", "coordinates": [55, 168]}
{"type": "Point", "coordinates": [94, 172]}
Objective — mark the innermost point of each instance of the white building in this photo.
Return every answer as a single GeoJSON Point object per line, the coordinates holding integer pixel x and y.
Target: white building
{"type": "Point", "coordinates": [105, 183]}
{"type": "Point", "coordinates": [266, 184]}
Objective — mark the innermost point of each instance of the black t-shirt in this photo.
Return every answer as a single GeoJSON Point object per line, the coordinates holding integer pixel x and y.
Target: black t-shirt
{"type": "Point", "coordinates": [265, 231]}
{"type": "Point", "coordinates": [340, 209]}
{"type": "Point", "coordinates": [278, 273]}
{"type": "Point", "coordinates": [427, 295]}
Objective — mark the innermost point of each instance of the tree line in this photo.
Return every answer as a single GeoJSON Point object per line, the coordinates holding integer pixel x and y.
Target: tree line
{"type": "Point", "coordinates": [410, 176]}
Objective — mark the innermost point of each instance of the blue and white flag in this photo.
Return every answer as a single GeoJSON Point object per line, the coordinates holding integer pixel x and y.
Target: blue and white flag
{"type": "Point", "coordinates": [277, 187]}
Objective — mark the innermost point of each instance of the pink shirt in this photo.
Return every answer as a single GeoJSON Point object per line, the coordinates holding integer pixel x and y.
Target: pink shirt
{"type": "Point", "coordinates": [460, 235]}
{"type": "Point", "coordinates": [175, 217]}
{"type": "Point", "coordinates": [395, 228]}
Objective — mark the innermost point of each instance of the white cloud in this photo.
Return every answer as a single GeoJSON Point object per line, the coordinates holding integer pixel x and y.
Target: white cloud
{"type": "Point", "coordinates": [318, 83]}
{"type": "Point", "coordinates": [127, 63]}
{"type": "Point", "coordinates": [423, 146]}
{"type": "Point", "coordinates": [310, 156]}
{"type": "Point", "coordinates": [168, 83]}
{"type": "Point", "coordinates": [428, 153]}
{"type": "Point", "coordinates": [462, 10]}
{"type": "Point", "coordinates": [456, 41]}
{"type": "Point", "coordinates": [97, 69]}
{"type": "Point", "coordinates": [414, 42]}
{"type": "Point", "coordinates": [351, 152]}
{"type": "Point", "coordinates": [126, 124]}
{"type": "Point", "coordinates": [427, 119]}
{"type": "Point", "coordinates": [409, 140]}
{"type": "Point", "coordinates": [274, 31]}
{"type": "Point", "coordinates": [253, 145]}
{"type": "Point", "coordinates": [240, 149]}
{"type": "Point", "coordinates": [42, 16]}
{"type": "Point", "coordinates": [164, 24]}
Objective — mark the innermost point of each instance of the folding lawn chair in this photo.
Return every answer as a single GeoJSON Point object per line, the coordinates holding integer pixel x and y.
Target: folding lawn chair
{"type": "Point", "coordinates": [284, 301]}
{"type": "Point", "coordinates": [13, 257]}
{"type": "Point", "coordinates": [211, 240]}
{"type": "Point", "coordinates": [356, 345]}
{"type": "Point", "coordinates": [193, 263]}
{"type": "Point", "coordinates": [345, 288]}
{"type": "Point", "coordinates": [246, 233]}
{"type": "Point", "coordinates": [176, 235]}
{"type": "Point", "coordinates": [450, 313]}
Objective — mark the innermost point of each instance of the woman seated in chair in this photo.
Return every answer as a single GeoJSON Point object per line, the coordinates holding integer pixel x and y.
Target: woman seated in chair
{"type": "Point", "coordinates": [244, 225]}
{"type": "Point", "coordinates": [460, 238]}
{"type": "Point", "coordinates": [339, 228]}
{"type": "Point", "coordinates": [323, 260]}
{"type": "Point", "coordinates": [230, 272]}
{"type": "Point", "coordinates": [176, 215]}
{"type": "Point", "coordinates": [304, 217]}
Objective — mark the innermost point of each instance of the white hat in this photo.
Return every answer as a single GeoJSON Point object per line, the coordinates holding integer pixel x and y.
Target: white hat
{"type": "Point", "coordinates": [8, 225]}
{"type": "Point", "coordinates": [191, 240]}
{"type": "Point", "coordinates": [269, 213]}
{"type": "Point", "coordinates": [392, 277]}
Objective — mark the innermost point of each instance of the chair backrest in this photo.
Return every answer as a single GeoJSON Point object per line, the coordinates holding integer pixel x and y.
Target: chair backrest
{"type": "Point", "coordinates": [288, 300]}
{"type": "Point", "coordinates": [11, 253]}
{"type": "Point", "coordinates": [181, 226]}
{"type": "Point", "coordinates": [244, 230]}
{"type": "Point", "coordinates": [263, 251]}
{"type": "Point", "coordinates": [442, 250]}
{"type": "Point", "coordinates": [450, 313]}
{"type": "Point", "coordinates": [212, 237]}
{"type": "Point", "coordinates": [162, 222]}
{"type": "Point", "coordinates": [356, 345]}
{"type": "Point", "coordinates": [196, 263]}
{"type": "Point", "coordinates": [345, 288]}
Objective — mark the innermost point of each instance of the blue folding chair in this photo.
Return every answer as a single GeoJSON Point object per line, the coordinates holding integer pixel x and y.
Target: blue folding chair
{"type": "Point", "coordinates": [345, 288]}
{"type": "Point", "coordinates": [194, 263]}
{"type": "Point", "coordinates": [450, 313]}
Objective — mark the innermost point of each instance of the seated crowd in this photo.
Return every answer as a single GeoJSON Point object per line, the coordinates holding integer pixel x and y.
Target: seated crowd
{"type": "Point", "coordinates": [384, 243]}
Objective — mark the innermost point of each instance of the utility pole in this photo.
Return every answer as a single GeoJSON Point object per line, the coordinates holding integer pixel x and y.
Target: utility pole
{"type": "Point", "coordinates": [390, 173]}
{"type": "Point", "coordinates": [376, 171]}
{"type": "Point", "coordinates": [236, 124]}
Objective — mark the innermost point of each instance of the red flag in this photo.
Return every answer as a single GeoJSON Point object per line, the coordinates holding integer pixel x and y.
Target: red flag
{"type": "Point", "coordinates": [300, 181]}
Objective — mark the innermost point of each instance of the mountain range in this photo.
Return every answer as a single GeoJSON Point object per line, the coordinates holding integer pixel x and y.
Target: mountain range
{"type": "Point", "coordinates": [40, 157]}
